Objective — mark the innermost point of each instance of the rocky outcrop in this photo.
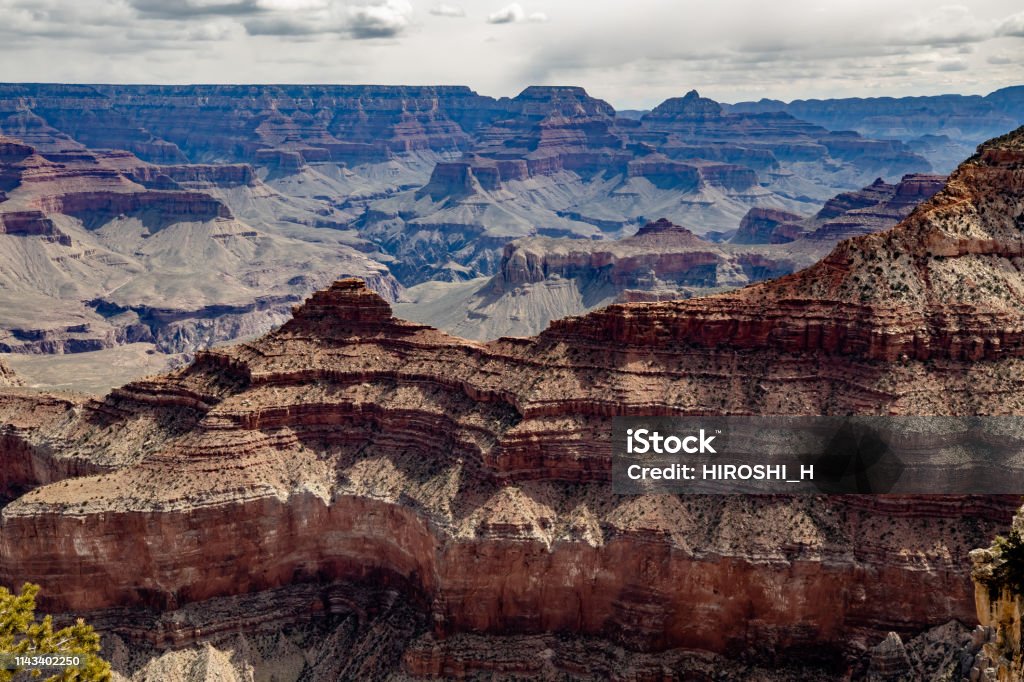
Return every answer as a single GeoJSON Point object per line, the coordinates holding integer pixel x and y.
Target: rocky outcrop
{"type": "Point", "coordinates": [872, 209]}
{"type": "Point", "coordinates": [767, 226]}
{"type": "Point", "coordinates": [7, 376]}
{"type": "Point", "coordinates": [32, 224]}
{"type": "Point", "coordinates": [997, 651]}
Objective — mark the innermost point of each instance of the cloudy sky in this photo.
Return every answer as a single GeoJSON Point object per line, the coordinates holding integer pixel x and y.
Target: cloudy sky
{"type": "Point", "coordinates": [633, 53]}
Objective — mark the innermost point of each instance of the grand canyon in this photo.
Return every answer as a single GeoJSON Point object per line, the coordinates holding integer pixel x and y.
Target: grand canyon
{"type": "Point", "coordinates": [180, 217]}
{"type": "Point", "coordinates": [343, 494]}
{"type": "Point", "coordinates": [307, 381]}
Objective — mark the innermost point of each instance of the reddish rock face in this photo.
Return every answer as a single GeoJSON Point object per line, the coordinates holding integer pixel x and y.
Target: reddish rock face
{"type": "Point", "coordinates": [660, 256]}
{"type": "Point", "coordinates": [351, 446]}
{"type": "Point", "coordinates": [762, 226]}
{"type": "Point", "coordinates": [874, 208]}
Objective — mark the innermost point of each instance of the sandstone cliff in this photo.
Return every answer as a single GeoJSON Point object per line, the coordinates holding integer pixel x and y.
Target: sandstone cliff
{"type": "Point", "coordinates": [998, 651]}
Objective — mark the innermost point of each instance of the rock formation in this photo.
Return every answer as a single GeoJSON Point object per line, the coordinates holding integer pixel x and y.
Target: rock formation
{"type": "Point", "coordinates": [768, 226]}
{"type": "Point", "coordinates": [7, 376]}
{"type": "Point", "coordinates": [352, 451]}
{"type": "Point", "coordinates": [440, 178]}
{"type": "Point", "coordinates": [100, 248]}
{"type": "Point", "coordinates": [541, 279]}
{"type": "Point", "coordinates": [937, 126]}
{"type": "Point", "coordinates": [874, 208]}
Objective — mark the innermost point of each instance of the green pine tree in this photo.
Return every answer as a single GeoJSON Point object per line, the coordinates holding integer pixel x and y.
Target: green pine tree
{"type": "Point", "coordinates": [21, 633]}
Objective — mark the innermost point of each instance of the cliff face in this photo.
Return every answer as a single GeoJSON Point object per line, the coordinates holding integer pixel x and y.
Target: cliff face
{"type": "Point", "coordinates": [998, 651]}
{"type": "Point", "coordinates": [349, 447]}
{"type": "Point", "coordinates": [874, 208]}
{"type": "Point", "coordinates": [767, 226]}
{"type": "Point", "coordinates": [100, 248]}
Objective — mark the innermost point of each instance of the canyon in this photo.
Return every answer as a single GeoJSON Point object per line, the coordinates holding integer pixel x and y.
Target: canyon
{"type": "Point", "coordinates": [100, 248]}
{"type": "Point", "coordinates": [187, 216]}
{"type": "Point", "coordinates": [941, 127]}
{"type": "Point", "coordinates": [440, 507]}
{"type": "Point", "coordinates": [541, 279]}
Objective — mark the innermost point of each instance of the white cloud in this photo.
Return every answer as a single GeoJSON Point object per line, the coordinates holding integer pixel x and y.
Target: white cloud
{"type": "Point", "coordinates": [635, 53]}
{"type": "Point", "coordinates": [537, 17]}
{"type": "Point", "coordinates": [509, 14]}
{"type": "Point", "coordinates": [380, 20]}
{"type": "Point", "coordinates": [374, 19]}
{"type": "Point", "coordinates": [213, 30]}
{"type": "Point", "coordinates": [445, 10]}
{"type": "Point", "coordinates": [1013, 26]}
{"type": "Point", "coordinates": [952, 65]}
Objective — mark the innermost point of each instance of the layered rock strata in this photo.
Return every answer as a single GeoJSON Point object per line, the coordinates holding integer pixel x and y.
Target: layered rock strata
{"type": "Point", "coordinates": [349, 447]}
{"type": "Point", "coordinates": [100, 248]}
{"type": "Point", "coordinates": [441, 178]}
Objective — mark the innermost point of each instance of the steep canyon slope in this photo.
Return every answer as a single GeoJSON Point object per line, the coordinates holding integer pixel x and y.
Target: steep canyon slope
{"type": "Point", "coordinates": [100, 248]}
{"type": "Point", "coordinates": [281, 481]}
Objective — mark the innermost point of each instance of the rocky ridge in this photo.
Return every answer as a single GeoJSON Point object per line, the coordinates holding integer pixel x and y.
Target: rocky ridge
{"type": "Point", "coordinates": [7, 376]}
{"type": "Point", "coordinates": [937, 126]}
{"type": "Point", "coordinates": [874, 208]}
